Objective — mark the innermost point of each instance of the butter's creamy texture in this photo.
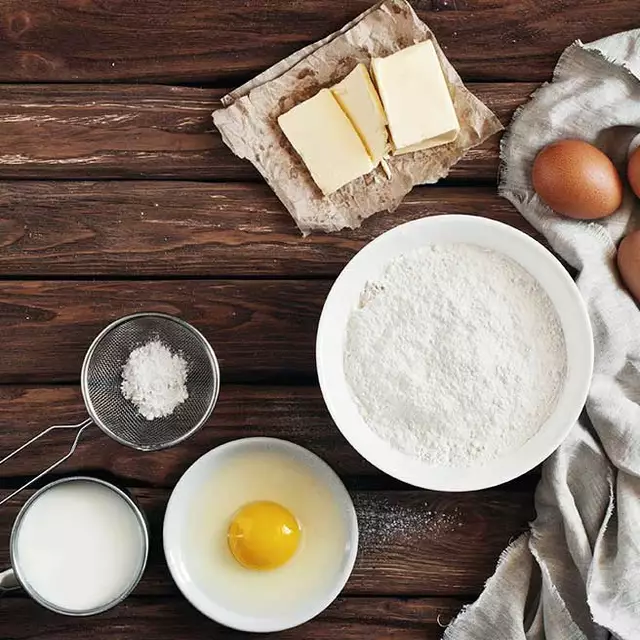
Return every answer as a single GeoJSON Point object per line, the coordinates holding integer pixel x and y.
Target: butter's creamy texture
{"type": "Point", "coordinates": [322, 134]}
{"type": "Point", "coordinates": [416, 98]}
{"type": "Point", "coordinates": [360, 101]}
{"type": "Point", "coordinates": [342, 133]}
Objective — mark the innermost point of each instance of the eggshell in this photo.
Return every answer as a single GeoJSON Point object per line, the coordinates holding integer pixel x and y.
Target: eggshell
{"type": "Point", "coordinates": [629, 263]}
{"type": "Point", "coordinates": [577, 180]}
{"type": "Point", "coordinates": [633, 171]}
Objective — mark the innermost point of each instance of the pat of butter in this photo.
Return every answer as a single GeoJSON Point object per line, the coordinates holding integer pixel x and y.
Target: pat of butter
{"type": "Point", "coordinates": [322, 134]}
{"type": "Point", "coordinates": [416, 98]}
{"type": "Point", "coordinates": [360, 101]}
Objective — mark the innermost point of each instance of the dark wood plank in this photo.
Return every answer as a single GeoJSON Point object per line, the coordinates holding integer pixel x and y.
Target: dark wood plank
{"type": "Point", "coordinates": [191, 40]}
{"type": "Point", "coordinates": [174, 619]}
{"type": "Point", "coordinates": [293, 413]}
{"type": "Point", "coordinates": [132, 228]}
{"type": "Point", "coordinates": [260, 330]}
{"type": "Point", "coordinates": [411, 542]}
{"type": "Point", "coordinates": [297, 414]}
{"type": "Point", "coordinates": [149, 131]}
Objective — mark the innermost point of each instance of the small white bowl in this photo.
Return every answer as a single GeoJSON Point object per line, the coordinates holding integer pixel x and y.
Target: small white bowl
{"type": "Point", "coordinates": [194, 481]}
{"type": "Point", "coordinates": [368, 265]}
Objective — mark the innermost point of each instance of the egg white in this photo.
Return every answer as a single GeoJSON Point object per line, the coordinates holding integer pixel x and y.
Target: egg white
{"type": "Point", "coordinates": [264, 475]}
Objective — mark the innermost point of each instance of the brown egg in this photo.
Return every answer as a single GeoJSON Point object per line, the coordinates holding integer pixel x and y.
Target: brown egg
{"type": "Point", "coordinates": [629, 263]}
{"type": "Point", "coordinates": [633, 171]}
{"type": "Point", "coordinates": [577, 180]}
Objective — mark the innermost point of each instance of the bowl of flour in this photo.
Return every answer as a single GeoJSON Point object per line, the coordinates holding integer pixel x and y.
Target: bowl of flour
{"type": "Point", "coordinates": [454, 353]}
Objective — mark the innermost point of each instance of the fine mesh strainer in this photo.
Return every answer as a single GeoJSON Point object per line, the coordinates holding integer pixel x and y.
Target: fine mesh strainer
{"type": "Point", "coordinates": [118, 418]}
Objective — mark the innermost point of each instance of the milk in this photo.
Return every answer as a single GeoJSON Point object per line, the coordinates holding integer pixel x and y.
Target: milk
{"type": "Point", "coordinates": [79, 546]}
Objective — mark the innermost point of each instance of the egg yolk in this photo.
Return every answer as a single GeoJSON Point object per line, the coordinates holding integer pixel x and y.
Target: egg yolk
{"type": "Point", "coordinates": [263, 535]}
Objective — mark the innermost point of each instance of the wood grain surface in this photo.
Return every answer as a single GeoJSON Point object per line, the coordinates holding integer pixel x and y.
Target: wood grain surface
{"type": "Point", "coordinates": [140, 617]}
{"type": "Point", "coordinates": [422, 542]}
{"type": "Point", "coordinates": [213, 41]}
{"type": "Point", "coordinates": [117, 195]}
{"type": "Point", "coordinates": [128, 131]}
{"type": "Point", "coordinates": [188, 229]}
{"type": "Point", "coordinates": [295, 413]}
{"type": "Point", "coordinates": [261, 330]}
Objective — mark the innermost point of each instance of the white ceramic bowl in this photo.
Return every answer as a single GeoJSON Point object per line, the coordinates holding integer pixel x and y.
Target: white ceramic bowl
{"type": "Point", "coordinates": [369, 263]}
{"type": "Point", "coordinates": [176, 538]}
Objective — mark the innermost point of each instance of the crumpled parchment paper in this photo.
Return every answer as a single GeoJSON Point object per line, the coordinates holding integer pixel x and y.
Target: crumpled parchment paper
{"type": "Point", "coordinates": [248, 121]}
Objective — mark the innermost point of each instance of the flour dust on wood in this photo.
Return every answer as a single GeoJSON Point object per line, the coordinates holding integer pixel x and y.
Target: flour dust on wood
{"type": "Point", "coordinates": [455, 355]}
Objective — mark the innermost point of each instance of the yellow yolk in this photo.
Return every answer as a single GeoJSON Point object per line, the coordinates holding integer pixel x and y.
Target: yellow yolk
{"type": "Point", "coordinates": [263, 535]}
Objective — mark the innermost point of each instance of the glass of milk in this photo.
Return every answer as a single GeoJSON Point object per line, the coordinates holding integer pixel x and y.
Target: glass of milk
{"type": "Point", "coordinates": [79, 546]}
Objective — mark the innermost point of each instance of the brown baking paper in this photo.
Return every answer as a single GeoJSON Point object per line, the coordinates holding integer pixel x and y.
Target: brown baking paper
{"type": "Point", "coordinates": [248, 124]}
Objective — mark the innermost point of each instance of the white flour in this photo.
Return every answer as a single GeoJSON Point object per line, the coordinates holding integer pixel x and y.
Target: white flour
{"type": "Point", "coordinates": [155, 380]}
{"type": "Point", "coordinates": [455, 355]}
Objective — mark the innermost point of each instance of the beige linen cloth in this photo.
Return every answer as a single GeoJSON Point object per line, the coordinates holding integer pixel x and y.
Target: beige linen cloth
{"type": "Point", "coordinates": [576, 575]}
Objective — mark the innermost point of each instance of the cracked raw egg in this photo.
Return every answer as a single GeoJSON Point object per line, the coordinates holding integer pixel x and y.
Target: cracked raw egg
{"type": "Point", "coordinates": [267, 536]}
{"type": "Point", "coordinates": [263, 535]}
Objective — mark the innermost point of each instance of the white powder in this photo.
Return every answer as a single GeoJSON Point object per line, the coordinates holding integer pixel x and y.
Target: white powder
{"type": "Point", "coordinates": [455, 355]}
{"type": "Point", "coordinates": [384, 523]}
{"type": "Point", "coordinates": [154, 380]}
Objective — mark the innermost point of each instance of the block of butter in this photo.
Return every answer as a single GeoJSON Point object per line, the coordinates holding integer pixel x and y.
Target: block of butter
{"type": "Point", "coordinates": [416, 98]}
{"type": "Point", "coordinates": [360, 101]}
{"type": "Point", "coordinates": [322, 134]}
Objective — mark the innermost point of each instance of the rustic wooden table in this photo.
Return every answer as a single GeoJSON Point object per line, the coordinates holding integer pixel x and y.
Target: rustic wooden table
{"type": "Point", "coordinates": [118, 196]}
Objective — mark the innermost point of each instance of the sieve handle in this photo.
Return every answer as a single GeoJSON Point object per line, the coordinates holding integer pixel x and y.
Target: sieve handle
{"type": "Point", "coordinates": [80, 427]}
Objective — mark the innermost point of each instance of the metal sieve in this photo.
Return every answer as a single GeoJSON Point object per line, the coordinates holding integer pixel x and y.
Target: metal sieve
{"type": "Point", "coordinates": [118, 418]}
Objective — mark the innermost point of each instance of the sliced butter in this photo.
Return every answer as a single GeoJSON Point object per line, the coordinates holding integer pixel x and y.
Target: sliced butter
{"type": "Point", "coordinates": [360, 101]}
{"type": "Point", "coordinates": [416, 98]}
{"type": "Point", "coordinates": [325, 139]}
